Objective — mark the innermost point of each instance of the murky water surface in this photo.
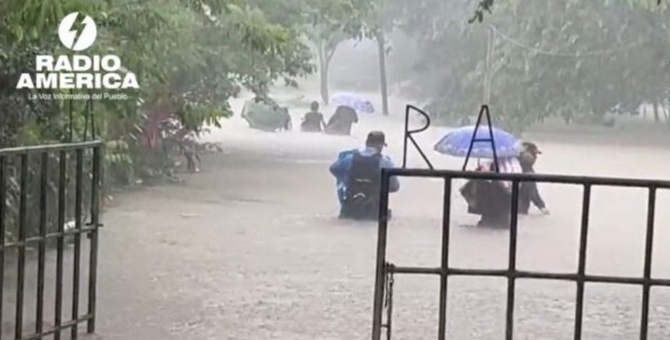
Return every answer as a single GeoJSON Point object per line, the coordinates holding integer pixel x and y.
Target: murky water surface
{"type": "Point", "coordinates": [250, 249]}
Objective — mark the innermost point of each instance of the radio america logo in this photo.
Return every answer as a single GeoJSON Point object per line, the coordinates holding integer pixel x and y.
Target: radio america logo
{"type": "Point", "coordinates": [77, 71]}
{"type": "Point", "coordinates": [72, 38]}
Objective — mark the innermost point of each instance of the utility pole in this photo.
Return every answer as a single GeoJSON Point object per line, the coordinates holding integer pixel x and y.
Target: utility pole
{"type": "Point", "coordinates": [488, 67]}
{"type": "Point", "coordinates": [381, 46]}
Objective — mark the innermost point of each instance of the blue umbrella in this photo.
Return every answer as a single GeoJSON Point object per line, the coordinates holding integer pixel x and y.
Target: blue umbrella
{"type": "Point", "coordinates": [457, 142]}
{"type": "Point", "coordinates": [353, 101]}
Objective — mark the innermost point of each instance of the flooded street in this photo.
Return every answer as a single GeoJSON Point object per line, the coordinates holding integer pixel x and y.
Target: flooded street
{"type": "Point", "coordinates": [155, 182]}
{"type": "Point", "coordinates": [251, 249]}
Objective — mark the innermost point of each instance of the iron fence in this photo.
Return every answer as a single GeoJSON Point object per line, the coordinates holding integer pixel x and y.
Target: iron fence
{"type": "Point", "coordinates": [35, 212]}
{"type": "Point", "coordinates": [385, 271]}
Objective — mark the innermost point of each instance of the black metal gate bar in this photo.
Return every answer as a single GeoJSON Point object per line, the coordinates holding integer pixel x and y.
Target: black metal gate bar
{"type": "Point", "coordinates": [24, 240]}
{"type": "Point", "coordinates": [381, 271]}
{"type": "Point", "coordinates": [21, 270]}
{"type": "Point", "coordinates": [521, 274]}
{"type": "Point", "coordinates": [39, 311]}
{"type": "Point", "coordinates": [525, 177]}
{"type": "Point", "coordinates": [67, 147]}
{"type": "Point", "coordinates": [581, 266]}
{"type": "Point", "coordinates": [389, 303]}
{"type": "Point", "coordinates": [95, 223]}
{"type": "Point", "coordinates": [444, 278]}
{"type": "Point", "coordinates": [511, 278]}
{"type": "Point", "coordinates": [648, 254]}
{"type": "Point", "coordinates": [512, 273]}
{"type": "Point", "coordinates": [3, 198]}
{"type": "Point", "coordinates": [77, 238]}
{"type": "Point", "coordinates": [62, 182]}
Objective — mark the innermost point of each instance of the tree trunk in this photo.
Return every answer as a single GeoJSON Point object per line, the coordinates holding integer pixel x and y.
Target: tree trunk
{"type": "Point", "coordinates": [382, 73]}
{"type": "Point", "coordinates": [657, 113]}
{"type": "Point", "coordinates": [324, 63]}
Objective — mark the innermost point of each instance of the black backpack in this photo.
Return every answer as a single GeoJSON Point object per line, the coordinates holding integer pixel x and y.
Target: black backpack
{"type": "Point", "coordinates": [362, 198]}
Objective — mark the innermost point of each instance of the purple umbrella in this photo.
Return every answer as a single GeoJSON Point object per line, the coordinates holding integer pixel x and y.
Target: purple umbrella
{"type": "Point", "coordinates": [457, 142]}
{"type": "Point", "coordinates": [353, 101]}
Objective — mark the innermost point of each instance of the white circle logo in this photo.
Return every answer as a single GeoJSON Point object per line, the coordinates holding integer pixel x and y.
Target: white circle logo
{"type": "Point", "coordinates": [77, 34]}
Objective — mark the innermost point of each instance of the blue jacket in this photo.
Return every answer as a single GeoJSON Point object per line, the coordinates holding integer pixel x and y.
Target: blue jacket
{"type": "Point", "coordinates": [340, 169]}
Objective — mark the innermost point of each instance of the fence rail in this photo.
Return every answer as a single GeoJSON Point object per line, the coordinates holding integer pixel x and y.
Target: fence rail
{"type": "Point", "coordinates": [43, 210]}
{"type": "Point", "coordinates": [383, 269]}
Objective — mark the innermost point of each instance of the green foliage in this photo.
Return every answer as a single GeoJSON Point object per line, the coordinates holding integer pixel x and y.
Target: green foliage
{"type": "Point", "coordinates": [486, 6]}
{"type": "Point", "coordinates": [570, 58]}
{"type": "Point", "coordinates": [327, 23]}
{"type": "Point", "coordinates": [190, 58]}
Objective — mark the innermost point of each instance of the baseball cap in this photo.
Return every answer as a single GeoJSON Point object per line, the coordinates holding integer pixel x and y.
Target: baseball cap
{"type": "Point", "coordinates": [376, 138]}
{"type": "Point", "coordinates": [531, 147]}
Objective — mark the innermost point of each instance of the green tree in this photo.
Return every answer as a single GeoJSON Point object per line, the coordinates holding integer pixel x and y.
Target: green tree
{"type": "Point", "coordinates": [330, 22]}
{"type": "Point", "coordinates": [567, 58]}
{"type": "Point", "coordinates": [190, 57]}
{"type": "Point", "coordinates": [486, 6]}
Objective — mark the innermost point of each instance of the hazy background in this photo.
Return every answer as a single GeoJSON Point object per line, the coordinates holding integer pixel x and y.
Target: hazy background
{"type": "Point", "coordinates": [249, 248]}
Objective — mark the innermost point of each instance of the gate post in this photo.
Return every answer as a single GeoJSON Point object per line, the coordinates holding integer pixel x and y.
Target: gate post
{"type": "Point", "coordinates": [21, 265]}
{"type": "Point", "coordinates": [95, 224]}
{"type": "Point", "coordinates": [381, 257]}
{"type": "Point", "coordinates": [511, 268]}
{"type": "Point", "coordinates": [444, 278]}
{"type": "Point", "coordinates": [648, 256]}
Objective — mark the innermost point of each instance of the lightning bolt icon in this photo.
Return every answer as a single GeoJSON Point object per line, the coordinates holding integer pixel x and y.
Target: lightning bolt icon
{"type": "Point", "coordinates": [76, 30]}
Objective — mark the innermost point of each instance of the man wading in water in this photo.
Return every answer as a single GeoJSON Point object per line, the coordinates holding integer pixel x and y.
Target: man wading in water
{"type": "Point", "coordinates": [313, 120]}
{"type": "Point", "coordinates": [528, 192]}
{"type": "Point", "coordinates": [358, 175]}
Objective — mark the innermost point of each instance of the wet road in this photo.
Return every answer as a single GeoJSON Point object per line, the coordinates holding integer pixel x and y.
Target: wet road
{"type": "Point", "coordinates": [249, 249]}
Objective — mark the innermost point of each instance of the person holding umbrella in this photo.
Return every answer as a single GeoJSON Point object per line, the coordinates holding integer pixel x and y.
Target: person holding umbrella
{"type": "Point", "coordinates": [528, 192]}
{"type": "Point", "coordinates": [488, 198]}
{"type": "Point", "coordinates": [491, 199]}
{"type": "Point", "coordinates": [341, 121]}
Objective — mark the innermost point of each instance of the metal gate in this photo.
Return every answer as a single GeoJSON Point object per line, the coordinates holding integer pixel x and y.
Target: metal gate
{"type": "Point", "coordinates": [49, 199]}
{"type": "Point", "coordinates": [385, 271]}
